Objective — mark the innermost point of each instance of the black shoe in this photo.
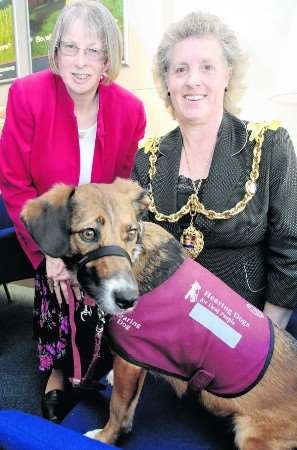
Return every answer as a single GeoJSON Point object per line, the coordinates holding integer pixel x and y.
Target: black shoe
{"type": "Point", "coordinates": [53, 405]}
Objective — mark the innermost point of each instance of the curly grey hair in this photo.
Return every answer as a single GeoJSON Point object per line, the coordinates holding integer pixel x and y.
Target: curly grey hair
{"type": "Point", "coordinates": [200, 24]}
{"type": "Point", "coordinates": [99, 21]}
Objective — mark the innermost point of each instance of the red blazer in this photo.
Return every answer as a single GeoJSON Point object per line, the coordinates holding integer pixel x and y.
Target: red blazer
{"type": "Point", "coordinates": [39, 145]}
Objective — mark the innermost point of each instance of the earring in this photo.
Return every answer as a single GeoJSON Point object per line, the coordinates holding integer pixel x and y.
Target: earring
{"type": "Point", "coordinates": [101, 77]}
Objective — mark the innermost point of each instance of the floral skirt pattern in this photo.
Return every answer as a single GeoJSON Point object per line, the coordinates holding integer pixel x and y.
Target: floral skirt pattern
{"type": "Point", "coordinates": [50, 324]}
{"type": "Point", "coordinates": [52, 331]}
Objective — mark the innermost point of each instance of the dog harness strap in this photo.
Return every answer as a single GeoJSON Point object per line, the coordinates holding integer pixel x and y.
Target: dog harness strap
{"type": "Point", "coordinates": [200, 380]}
{"type": "Point", "coordinates": [108, 250]}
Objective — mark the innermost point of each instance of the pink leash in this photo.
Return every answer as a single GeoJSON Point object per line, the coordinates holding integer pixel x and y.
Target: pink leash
{"type": "Point", "coordinates": [77, 378]}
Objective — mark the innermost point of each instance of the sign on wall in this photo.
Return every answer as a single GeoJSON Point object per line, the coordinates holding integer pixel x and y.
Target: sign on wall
{"type": "Point", "coordinates": [42, 17]}
{"type": "Point", "coordinates": [7, 42]}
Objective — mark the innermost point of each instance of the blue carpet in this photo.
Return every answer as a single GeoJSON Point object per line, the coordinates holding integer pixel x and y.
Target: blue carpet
{"type": "Point", "coordinates": [21, 385]}
{"type": "Point", "coordinates": [162, 421]}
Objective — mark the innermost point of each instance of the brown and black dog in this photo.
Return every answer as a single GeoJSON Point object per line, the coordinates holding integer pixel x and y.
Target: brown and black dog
{"type": "Point", "coordinates": [70, 223]}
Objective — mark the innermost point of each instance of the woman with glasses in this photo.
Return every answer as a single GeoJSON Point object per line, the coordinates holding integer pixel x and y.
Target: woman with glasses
{"type": "Point", "coordinates": [69, 124]}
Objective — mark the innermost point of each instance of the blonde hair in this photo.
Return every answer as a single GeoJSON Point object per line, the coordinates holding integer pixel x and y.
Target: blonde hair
{"type": "Point", "coordinates": [200, 24]}
{"type": "Point", "coordinates": [98, 20]}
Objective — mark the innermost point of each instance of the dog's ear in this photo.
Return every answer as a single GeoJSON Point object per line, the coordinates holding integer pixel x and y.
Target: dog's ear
{"type": "Point", "coordinates": [136, 193]}
{"type": "Point", "coordinates": [47, 219]}
{"type": "Point", "coordinates": [141, 203]}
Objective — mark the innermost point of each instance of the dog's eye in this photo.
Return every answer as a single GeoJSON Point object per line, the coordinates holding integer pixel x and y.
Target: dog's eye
{"type": "Point", "coordinates": [132, 234]}
{"type": "Point", "coordinates": [89, 234]}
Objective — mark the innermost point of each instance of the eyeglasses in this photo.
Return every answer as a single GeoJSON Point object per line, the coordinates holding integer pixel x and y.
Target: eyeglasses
{"type": "Point", "coordinates": [92, 54]}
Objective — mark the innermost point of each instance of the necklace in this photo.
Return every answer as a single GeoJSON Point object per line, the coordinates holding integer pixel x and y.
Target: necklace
{"type": "Point", "coordinates": [193, 205]}
{"type": "Point", "coordinates": [192, 239]}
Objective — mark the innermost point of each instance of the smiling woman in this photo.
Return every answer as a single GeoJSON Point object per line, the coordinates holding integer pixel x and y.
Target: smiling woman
{"type": "Point", "coordinates": [71, 124]}
{"type": "Point", "coordinates": [81, 62]}
{"type": "Point", "coordinates": [225, 187]}
{"type": "Point", "coordinates": [197, 78]}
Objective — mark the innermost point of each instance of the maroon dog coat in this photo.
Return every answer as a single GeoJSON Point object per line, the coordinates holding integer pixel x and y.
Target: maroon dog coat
{"type": "Point", "coordinates": [198, 329]}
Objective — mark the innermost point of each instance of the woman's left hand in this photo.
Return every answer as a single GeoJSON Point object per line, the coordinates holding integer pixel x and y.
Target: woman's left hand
{"type": "Point", "coordinates": [279, 315]}
{"type": "Point", "coordinates": [60, 278]}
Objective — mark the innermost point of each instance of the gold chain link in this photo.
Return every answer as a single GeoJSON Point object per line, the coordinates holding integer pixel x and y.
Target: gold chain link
{"type": "Point", "coordinates": [193, 205]}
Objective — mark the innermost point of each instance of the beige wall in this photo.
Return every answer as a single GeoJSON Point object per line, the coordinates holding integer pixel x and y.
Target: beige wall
{"type": "Point", "coordinates": [267, 29]}
{"type": "Point", "coordinates": [145, 26]}
{"type": "Point", "coordinates": [3, 94]}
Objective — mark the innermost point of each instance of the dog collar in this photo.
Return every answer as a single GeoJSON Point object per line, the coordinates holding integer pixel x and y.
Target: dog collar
{"type": "Point", "coordinates": [107, 250]}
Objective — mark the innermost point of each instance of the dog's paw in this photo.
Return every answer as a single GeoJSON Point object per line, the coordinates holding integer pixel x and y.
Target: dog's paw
{"type": "Point", "coordinates": [127, 428]}
{"type": "Point", "coordinates": [109, 378]}
{"type": "Point", "coordinates": [93, 433]}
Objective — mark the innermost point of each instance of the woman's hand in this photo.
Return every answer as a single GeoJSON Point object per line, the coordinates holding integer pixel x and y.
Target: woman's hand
{"type": "Point", "coordinates": [59, 278]}
{"type": "Point", "coordinates": [278, 314]}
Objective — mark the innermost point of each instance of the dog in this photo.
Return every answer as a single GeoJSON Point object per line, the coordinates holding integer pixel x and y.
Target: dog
{"type": "Point", "coordinates": [97, 230]}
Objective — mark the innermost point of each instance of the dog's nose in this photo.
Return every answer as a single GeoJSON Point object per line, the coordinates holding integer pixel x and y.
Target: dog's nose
{"type": "Point", "coordinates": [125, 293]}
{"type": "Point", "coordinates": [123, 303]}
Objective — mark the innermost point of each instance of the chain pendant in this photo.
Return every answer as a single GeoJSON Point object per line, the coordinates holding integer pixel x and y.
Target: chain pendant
{"type": "Point", "coordinates": [193, 241]}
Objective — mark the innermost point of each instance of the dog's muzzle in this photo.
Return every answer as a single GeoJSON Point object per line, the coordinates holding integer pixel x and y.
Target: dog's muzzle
{"type": "Point", "coordinates": [124, 299]}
